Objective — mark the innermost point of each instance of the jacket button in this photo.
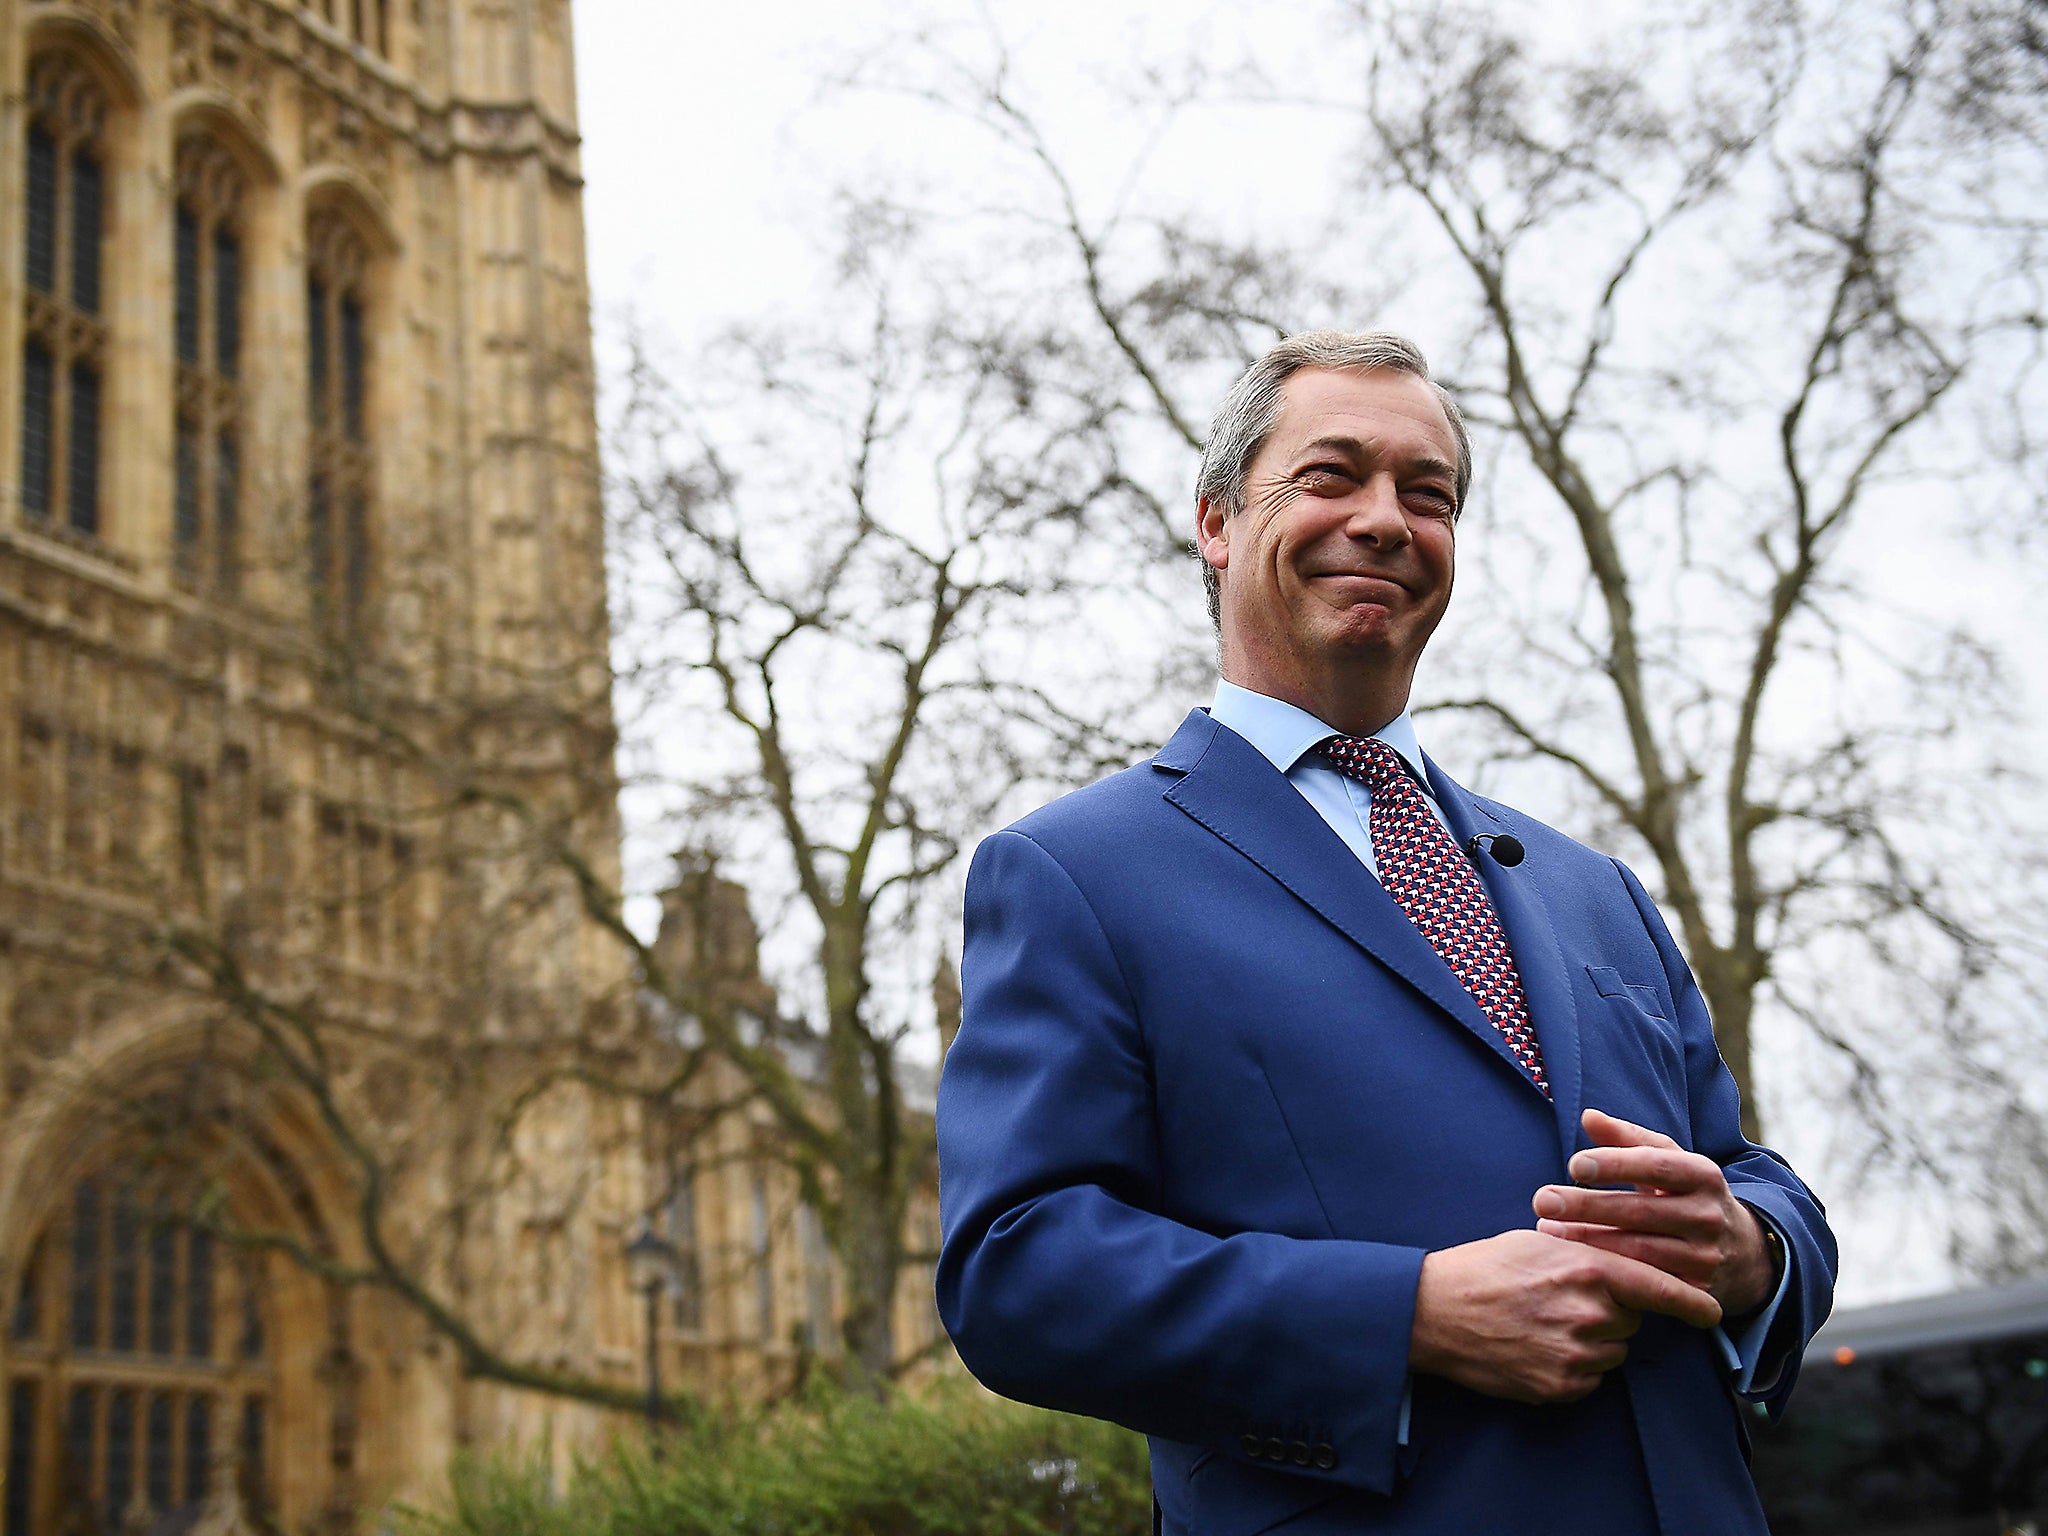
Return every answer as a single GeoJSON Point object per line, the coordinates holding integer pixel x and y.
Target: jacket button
{"type": "Point", "coordinates": [1251, 1446]}
{"type": "Point", "coordinates": [1276, 1450]}
{"type": "Point", "coordinates": [1298, 1453]}
{"type": "Point", "coordinates": [1325, 1456]}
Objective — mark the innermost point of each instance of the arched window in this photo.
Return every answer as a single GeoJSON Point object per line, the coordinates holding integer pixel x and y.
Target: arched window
{"type": "Point", "coordinates": [64, 345]}
{"type": "Point", "coordinates": [340, 484]}
{"type": "Point", "coordinates": [764, 1261]}
{"type": "Point", "coordinates": [680, 1222]}
{"type": "Point", "coordinates": [207, 322]}
{"type": "Point", "coordinates": [139, 1371]}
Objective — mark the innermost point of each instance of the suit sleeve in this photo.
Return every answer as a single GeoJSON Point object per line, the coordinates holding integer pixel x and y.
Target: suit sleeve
{"type": "Point", "coordinates": [1756, 1175]}
{"type": "Point", "coordinates": [1060, 1279]}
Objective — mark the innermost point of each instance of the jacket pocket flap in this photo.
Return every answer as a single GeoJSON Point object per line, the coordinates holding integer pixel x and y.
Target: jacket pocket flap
{"type": "Point", "coordinates": [1608, 983]}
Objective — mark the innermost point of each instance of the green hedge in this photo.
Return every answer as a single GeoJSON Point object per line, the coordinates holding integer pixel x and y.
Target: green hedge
{"type": "Point", "coordinates": [955, 1463]}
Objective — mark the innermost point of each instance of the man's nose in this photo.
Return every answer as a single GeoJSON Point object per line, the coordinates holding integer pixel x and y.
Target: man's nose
{"type": "Point", "coordinates": [1376, 515]}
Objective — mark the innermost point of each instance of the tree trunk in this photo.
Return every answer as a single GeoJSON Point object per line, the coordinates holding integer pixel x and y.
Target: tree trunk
{"type": "Point", "coordinates": [1730, 989]}
{"type": "Point", "coordinates": [871, 1250]}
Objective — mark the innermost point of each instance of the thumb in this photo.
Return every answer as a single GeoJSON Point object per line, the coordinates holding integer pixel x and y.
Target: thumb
{"type": "Point", "coordinates": [1612, 1131]}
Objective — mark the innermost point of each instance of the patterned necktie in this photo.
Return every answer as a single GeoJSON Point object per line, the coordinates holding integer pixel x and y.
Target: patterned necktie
{"type": "Point", "coordinates": [1424, 870]}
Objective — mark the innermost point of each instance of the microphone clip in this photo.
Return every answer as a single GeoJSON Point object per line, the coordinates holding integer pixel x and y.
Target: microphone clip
{"type": "Point", "coordinates": [1507, 850]}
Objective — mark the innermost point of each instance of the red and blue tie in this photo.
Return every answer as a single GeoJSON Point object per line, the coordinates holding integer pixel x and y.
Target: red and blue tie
{"type": "Point", "coordinates": [1424, 870]}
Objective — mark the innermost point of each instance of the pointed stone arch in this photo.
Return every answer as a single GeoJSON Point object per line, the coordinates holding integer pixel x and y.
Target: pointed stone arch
{"type": "Point", "coordinates": [152, 1349]}
{"type": "Point", "coordinates": [68, 29]}
{"type": "Point", "coordinates": [341, 191]}
{"type": "Point", "coordinates": [207, 112]}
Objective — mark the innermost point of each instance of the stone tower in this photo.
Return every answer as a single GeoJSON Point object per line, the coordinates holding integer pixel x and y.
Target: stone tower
{"type": "Point", "coordinates": [303, 720]}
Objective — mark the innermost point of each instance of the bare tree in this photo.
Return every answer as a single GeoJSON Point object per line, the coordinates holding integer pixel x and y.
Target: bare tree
{"type": "Point", "coordinates": [847, 556]}
{"type": "Point", "coordinates": [1713, 475]}
{"type": "Point", "coordinates": [1742, 307]}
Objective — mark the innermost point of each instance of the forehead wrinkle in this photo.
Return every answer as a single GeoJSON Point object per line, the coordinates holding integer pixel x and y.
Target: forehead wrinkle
{"type": "Point", "coordinates": [1374, 448]}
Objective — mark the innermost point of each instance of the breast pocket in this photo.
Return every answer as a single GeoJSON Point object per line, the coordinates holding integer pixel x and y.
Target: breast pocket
{"type": "Point", "coordinates": [1634, 1058]}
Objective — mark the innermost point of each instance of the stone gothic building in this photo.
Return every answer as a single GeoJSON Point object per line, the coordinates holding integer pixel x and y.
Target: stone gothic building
{"type": "Point", "coordinates": [304, 742]}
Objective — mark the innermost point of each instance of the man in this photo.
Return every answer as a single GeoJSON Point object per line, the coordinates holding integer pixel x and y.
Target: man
{"type": "Point", "coordinates": [1362, 1142]}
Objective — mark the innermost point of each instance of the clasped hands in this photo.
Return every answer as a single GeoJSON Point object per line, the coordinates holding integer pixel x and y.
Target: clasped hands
{"type": "Point", "coordinates": [1540, 1316]}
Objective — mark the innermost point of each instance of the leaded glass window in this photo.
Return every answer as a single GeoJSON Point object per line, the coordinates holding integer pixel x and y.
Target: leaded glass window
{"type": "Point", "coordinates": [22, 1402]}
{"type": "Point", "coordinates": [206, 251]}
{"type": "Point", "coordinates": [27, 1322]}
{"type": "Point", "coordinates": [122, 1378]}
{"type": "Point", "coordinates": [339, 492]}
{"type": "Point", "coordinates": [38, 428]}
{"type": "Point", "coordinates": [764, 1265]}
{"type": "Point", "coordinates": [681, 1222]}
{"type": "Point", "coordinates": [157, 1453]}
{"type": "Point", "coordinates": [64, 345]}
{"type": "Point", "coordinates": [199, 1439]}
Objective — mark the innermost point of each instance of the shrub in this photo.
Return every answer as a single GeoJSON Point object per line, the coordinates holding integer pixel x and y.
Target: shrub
{"type": "Point", "coordinates": [953, 1463]}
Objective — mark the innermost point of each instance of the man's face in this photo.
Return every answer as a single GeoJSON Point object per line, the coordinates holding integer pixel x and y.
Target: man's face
{"type": "Point", "coordinates": [1339, 566]}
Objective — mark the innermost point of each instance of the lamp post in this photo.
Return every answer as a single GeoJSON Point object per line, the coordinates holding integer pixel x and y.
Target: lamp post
{"type": "Point", "coordinates": [650, 1262]}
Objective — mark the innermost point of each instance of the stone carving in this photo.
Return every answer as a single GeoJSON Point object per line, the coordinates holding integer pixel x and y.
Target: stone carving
{"type": "Point", "coordinates": [119, 15]}
{"type": "Point", "coordinates": [208, 176]}
{"type": "Point", "coordinates": [339, 132]}
{"type": "Point", "coordinates": [206, 51]}
{"type": "Point", "coordinates": [66, 96]}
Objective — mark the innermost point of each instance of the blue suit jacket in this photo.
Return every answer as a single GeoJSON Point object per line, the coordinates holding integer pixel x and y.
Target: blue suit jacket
{"type": "Point", "coordinates": [1212, 1100]}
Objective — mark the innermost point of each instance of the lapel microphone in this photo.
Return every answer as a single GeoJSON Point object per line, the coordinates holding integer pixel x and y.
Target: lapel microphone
{"type": "Point", "coordinates": [1506, 849]}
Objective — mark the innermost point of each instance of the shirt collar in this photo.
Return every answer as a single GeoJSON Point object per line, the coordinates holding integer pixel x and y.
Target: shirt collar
{"type": "Point", "coordinates": [1284, 733]}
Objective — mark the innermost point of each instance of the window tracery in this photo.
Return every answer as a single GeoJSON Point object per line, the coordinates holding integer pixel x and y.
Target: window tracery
{"type": "Point", "coordinates": [763, 1261]}
{"type": "Point", "coordinates": [64, 346]}
{"type": "Point", "coordinates": [679, 1220]}
{"type": "Point", "coordinates": [340, 483]}
{"type": "Point", "coordinates": [137, 1355]}
{"type": "Point", "coordinates": [207, 326]}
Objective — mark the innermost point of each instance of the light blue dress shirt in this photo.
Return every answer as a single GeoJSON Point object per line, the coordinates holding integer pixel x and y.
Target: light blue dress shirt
{"type": "Point", "coordinates": [1284, 735]}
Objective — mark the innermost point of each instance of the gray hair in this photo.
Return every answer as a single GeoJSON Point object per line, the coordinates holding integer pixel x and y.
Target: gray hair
{"type": "Point", "coordinates": [1250, 411]}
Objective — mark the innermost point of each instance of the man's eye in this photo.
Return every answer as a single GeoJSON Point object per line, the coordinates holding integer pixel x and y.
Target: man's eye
{"type": "Point", "coordinates": [1431, 500]}
{"type": "Point", "coordinates": [1323, 474]}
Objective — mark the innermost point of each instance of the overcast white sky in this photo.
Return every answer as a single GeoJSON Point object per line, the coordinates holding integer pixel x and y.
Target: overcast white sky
{"type": "Point", "coordinates": [710, 134]}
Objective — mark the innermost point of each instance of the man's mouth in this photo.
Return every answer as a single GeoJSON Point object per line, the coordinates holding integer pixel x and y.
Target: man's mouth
{"type": "Point", "coordinates": [1368, 583]}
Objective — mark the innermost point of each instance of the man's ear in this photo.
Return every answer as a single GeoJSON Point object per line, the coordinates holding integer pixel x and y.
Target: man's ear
{"type": "Point", "coordinates": [1212, 533]}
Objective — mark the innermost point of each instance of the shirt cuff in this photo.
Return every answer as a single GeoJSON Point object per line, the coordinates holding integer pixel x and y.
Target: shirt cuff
{"type": "Point", "coordinates": [1743, 1350]}
{"type": "Point", "coordinates": [1407, 1405]}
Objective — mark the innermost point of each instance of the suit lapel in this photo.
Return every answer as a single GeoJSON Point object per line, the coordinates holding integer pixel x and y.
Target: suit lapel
{"type": "Point", "coordinates": [1546, 980]}
{"type": "Point", "coordinates": [1230, 788]}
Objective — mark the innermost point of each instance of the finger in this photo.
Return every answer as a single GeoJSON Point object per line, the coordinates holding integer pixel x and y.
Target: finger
{"type": "Point", "coordinates": [1579, 1384]}
{"type": "Point", "coordinates": [1579, 1379]}
{"type": "Point", "coordinates": [1680, 1215]}
{"type": "Point", "coordinates": [1649, 1289]}
{"type": "Point", "coordinates": [1671, 1168]}
{"type": "Point", "coordinates": [1688, 1261]}
{"type": "Point", "coordinates": [1623, 1324]}
{"type": "Point", "coordinates": [1577, 1231]}
{"type": "Point", "coordinates": [1613, 1131]}
{"type": "Point", "coordinates": [1600, 1361]}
